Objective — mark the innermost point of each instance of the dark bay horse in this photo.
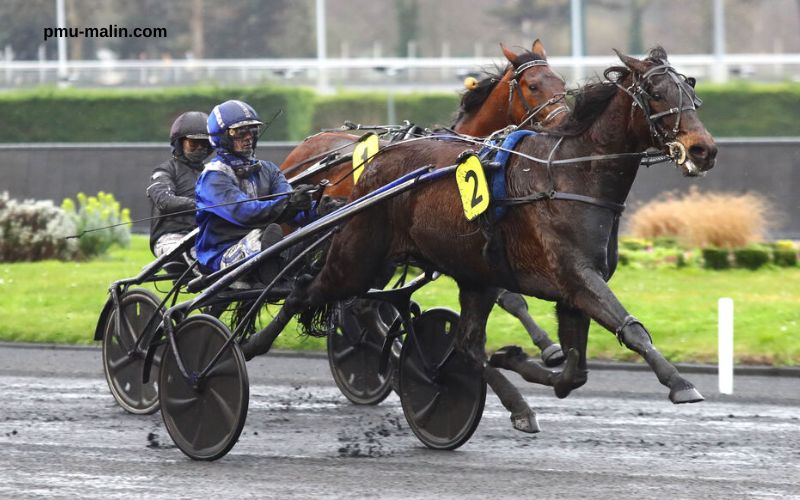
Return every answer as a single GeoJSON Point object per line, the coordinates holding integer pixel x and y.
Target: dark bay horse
{"type": "Point", "coordinates": [556, 236]}
{"type": "Point", "coordinates": [526, 92]}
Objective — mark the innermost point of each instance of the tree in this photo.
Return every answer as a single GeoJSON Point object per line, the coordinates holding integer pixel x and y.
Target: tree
{"type": "Point", "coordinates": [407, 24]}
{"type": "Point", "coordinates": [197, 29]}
{"type": "Point", "coordinates": [519, 13]}
{"type": "Point", "coordinates": [636, 43]}
{"type": "Point", "coordinates": [22, 24]}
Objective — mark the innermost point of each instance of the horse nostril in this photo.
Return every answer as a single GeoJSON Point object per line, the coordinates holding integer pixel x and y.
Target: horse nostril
{"type": "Point", "coordinates": [703, 152]}
{"type": "Point", "coordinates": [712, 152]}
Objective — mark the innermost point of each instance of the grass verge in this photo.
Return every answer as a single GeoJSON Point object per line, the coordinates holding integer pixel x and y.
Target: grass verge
{"type": "Point", "coordinates": [55, 301]}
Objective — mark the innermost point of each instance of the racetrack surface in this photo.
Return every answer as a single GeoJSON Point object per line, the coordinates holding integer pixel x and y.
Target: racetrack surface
{"type": "Point", "coordinates": [62, 435]}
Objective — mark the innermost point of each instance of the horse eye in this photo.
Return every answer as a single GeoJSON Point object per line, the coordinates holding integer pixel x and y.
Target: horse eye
{"type": "Point", "coordinates": [532, 87]}
{"type": "Point", "coordinates": [656, 96]}
{"type": "Point", "coordinates": [691, 81]}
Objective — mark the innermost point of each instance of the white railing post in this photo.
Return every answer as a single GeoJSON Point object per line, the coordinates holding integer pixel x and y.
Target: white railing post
{"type": "Point", "coordinates": [725, 340]}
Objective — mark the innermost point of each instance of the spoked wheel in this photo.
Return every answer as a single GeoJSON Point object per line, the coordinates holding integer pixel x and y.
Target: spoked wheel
{"type": "Point", "coordinates": [442, 394]}
{"type": "Point", "coordinates": [205, 418]}
{"type": "Point", "coordinates": [354, 354]}
{"type": "Point", "coordinates": [122, 365]}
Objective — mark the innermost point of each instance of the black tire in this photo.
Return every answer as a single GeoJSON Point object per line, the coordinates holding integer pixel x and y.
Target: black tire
{"type": "Point", "coordinates": [123, 371]}
{"type": "Point", "coordinates": [443, 407]}
{"type": "Point", "coordinates": [354, 354]}
{"type": "Point", "coordinates": [206, 421]}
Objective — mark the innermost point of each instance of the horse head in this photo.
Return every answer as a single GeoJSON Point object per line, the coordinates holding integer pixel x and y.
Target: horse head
{"type": "Point", "coordinates": [535, 92]}
{"type": "Point", "coordinates": [526, 91]}
{"type": "Point", "coordinates": [668, 105]}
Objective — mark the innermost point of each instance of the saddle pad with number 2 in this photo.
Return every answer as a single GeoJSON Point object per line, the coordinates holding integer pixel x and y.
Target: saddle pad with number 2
{"type": "Point", "coordinates": [500, 156]}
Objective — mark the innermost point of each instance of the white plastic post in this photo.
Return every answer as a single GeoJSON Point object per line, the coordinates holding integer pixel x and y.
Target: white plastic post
{"type": "Point", "coordinates": [725, 333]}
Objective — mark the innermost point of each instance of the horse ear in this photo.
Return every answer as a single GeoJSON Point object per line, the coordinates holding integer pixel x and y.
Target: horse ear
{"type": "Point", "coordinates": [632, 63]}
{"type": "Point", "coordinates": [658, 53]}
{"type": "Point", "coordinates": [538, 48]}
{"type": "Point", "coordinates": [512, 57]}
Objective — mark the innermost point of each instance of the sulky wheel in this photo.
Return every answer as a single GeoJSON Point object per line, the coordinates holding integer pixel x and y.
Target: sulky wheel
{"type": "Point", "coordinates": [123, 368]}
{"type": "Point", "coordinates": [442, 394]}
{"type": "Point", "coordinates": [354, 354]}
{"type": "Point", "coordinates": [204, 419]}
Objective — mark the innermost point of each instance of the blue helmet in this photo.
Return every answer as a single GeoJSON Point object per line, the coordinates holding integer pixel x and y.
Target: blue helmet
{"type": "Point", "coordinates": [228, 116]}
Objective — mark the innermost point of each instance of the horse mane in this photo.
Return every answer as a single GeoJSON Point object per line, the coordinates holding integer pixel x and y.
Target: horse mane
{"type": "Point", "coordinates": [593, 98]}
{"type": "Point", "coordinates": [590, 101]}
{"type": "Point", "coordinates": [473, 99]}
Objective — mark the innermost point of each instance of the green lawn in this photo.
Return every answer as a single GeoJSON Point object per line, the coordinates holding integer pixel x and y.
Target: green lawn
{"type": "Point", "coordinates": [60, 301]}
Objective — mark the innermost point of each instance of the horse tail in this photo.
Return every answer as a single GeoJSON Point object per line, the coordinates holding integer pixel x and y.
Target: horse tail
{"type": "Point", "coordinates": [313, 320]}
{"type": "Point", "coordinates": [317, 321]}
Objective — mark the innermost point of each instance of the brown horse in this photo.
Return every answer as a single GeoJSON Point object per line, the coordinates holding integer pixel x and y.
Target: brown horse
{"type": "Point", "coordinates": [554, 240]}
{"type": "Point", "coordinates": [526, 90]}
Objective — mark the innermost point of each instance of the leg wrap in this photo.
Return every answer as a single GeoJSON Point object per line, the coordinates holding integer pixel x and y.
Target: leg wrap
{"type": "Point", "coordinates": [634, 338]}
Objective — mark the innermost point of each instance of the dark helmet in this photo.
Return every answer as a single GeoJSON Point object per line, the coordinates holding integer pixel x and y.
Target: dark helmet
{"type": "Point", "coordinates": [228, 116]}
{"type": "Point", "coordinates": [190, 125]}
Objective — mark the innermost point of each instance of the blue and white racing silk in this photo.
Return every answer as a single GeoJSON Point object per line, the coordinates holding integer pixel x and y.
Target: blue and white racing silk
{"type": "Point", "coordinates": [223, 226]}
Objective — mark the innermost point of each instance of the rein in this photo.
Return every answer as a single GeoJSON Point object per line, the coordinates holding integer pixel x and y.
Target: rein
{"type": "Point", "coordinates": [322, 156]}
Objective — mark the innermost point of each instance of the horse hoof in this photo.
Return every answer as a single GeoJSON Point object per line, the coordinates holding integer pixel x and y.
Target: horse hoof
{"type": "Point", "coordinates": [526, 422]}
{"type": "Point", "coordinates": [566, 380]}
{"type": "Point", "coordinates": [502, 356]}
{"type": "Point", "coordinates": [553, 355]}
{"type": "Point", "coordinates": [685, 395]}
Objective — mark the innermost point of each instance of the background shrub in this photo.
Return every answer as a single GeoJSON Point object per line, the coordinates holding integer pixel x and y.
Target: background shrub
{"type": "Point", "coordinates": [785, 258]}
{"type": "Point", "coordinates": [716, 258]}
{"type": "Point", "coordinates": [34, 230]}
{"type": "Point", "coordinates": [93, 212]}
{"type": "Point", "coordinates": [634, 244]}
{"type": "Point", "coordinates": [697, 219]}
{"type": "Point", "coordinates": [784, 245]}
{"type": "Point", "coordinates": [751, 258]}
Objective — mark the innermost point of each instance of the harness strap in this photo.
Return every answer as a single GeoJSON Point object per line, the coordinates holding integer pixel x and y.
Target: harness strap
{"type": "Point", "coordinates": [558, 195]}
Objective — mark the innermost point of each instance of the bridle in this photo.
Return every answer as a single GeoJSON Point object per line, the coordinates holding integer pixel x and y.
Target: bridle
{"type": "Point", "coordinates": [531, 112]}
{"type": "Point", "coordinates": [664, 138]}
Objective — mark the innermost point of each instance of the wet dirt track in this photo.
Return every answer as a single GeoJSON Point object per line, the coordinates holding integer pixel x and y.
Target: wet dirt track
{"type": "Point", "coordinates": [619, 437]}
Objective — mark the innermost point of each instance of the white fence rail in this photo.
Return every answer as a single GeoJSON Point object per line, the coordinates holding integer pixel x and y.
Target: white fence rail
{"type": "Point", "coordinates": [388, 72]}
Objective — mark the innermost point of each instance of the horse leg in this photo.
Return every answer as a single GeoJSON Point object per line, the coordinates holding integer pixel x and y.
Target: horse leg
{"type": "Point", "coordinates": [348, 271]}
{"type": "Point", "coordinates": [573, 333]}
{"type": "Point", "coordinates": [515, 304]}
{"type": "Point", "coordinates": [514, 358]}
{"type": "Point", "coordinates": [261, 341]}
{"type": "Point", "coordinates": [612, 250]}
{"type": "Point", "coordinates": [471, 341]}
{"type": "Point", "coordinates": [600, 303]}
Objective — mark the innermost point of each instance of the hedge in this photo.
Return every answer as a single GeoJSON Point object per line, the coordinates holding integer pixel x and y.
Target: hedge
{"type": "Point", "coordinates": [92, 115]}
{"type": "Point", "coordinates": [751, 109]}
{"type": "Point", "coordinates": [372, 108]}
